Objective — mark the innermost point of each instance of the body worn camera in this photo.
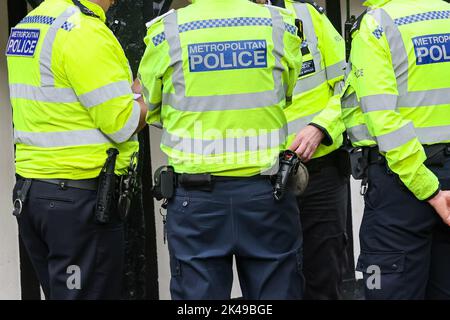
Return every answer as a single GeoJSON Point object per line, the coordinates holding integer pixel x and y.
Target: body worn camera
{"type": "Point", "coordinates": [288, 166]}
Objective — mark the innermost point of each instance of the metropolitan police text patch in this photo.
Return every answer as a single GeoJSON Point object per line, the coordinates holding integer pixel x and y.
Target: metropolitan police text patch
{"type": "Point", "coordinates": [307, 68]}
{"type": "Point", "coordinates": [432, 48]}
{"type": "Point", "coordinates": [229, 55]}
{"type": "Point", "coordinates": [22, 42]}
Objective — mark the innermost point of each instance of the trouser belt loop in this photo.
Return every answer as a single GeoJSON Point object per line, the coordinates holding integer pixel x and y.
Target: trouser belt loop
{"type": "Point", "coordinates": [22, 195]}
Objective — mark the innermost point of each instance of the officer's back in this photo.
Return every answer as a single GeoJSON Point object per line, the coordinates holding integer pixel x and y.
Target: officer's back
{"type": "Point", "coordinates": [217, 75]}
{"type": "Point", "coordinates": [229, 64]}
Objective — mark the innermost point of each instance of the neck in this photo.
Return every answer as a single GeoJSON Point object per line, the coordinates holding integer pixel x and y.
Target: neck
{"type": "Point", "coordinates": [104, 4]}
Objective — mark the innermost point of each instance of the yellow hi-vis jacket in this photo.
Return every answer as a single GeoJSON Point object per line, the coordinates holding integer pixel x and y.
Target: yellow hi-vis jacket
{"type": "Point", "coordinates": [316, 98]}
{"type": "Point", "coordinates": [217, 74]}
{"type": "Point", "coordinates": [400, 72]}
{"type": "Point", "coordinates": [70, 88]}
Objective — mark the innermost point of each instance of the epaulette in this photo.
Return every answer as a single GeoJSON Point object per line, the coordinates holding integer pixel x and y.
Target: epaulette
{"type": "Point", "coordinates": [357, 23]}
{"type": "Point", "coordinates": [316, 6]}
{"type": "Point", "coordinates": [158, 18]}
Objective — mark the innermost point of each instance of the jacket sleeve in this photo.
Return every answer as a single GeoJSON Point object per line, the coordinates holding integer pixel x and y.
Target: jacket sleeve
{"type": "Point", "coordinates": [332, 48]}
{"type": "Point", "coordinates": [101, 78]}
{"type": "Point", "coordinates": [376, 86]}
{"type": "Point", "coordinates": [292, 57]}
{"type": "Point", "coordinates": [152, 68]}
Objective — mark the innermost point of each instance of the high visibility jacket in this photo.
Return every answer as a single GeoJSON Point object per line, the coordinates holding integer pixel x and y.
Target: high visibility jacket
{"type": "Point", "coordinates": [70, 87]}
{"type": "Point", "coordinates": [400, 72]}
{"type": "Point", "coordinates": [315, 100]}
{"type": "Point", "coordinates": [217, 74]}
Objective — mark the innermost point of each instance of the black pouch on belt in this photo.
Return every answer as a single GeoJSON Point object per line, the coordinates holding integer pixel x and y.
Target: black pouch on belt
{"type": "Point", "coordinates": [164, 183]}
{"type": "Point", "coordinates": [106, 188]}
{"type": "Point", "coordinates": [202, 181]}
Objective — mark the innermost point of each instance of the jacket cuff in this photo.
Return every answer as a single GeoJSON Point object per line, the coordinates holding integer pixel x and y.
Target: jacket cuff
{"type": "Point", "coordinates": [433, 194]}
{"type": "Point", "coordinates": [327, 139]}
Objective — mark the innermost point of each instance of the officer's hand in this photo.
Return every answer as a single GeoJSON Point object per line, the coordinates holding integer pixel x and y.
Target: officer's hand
{"type": "Point", "coordinates": [306, 142]}
{"type": "Point", "coordinates": [441, 203]}
{"type": "Point", "coordinates": [137, 87]}
{"type": "Point", "coordinates": [261, 1]}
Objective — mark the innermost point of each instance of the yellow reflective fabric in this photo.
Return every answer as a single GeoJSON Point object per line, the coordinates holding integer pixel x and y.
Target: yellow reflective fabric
{"type": "Point", "coordinates": [216, 74]}
{"type": "Point", "coordinates": [314, 99]}
{"type": "Point", "coordinates": [404, 88]}
{"type": "Point", "coordinates": [71, 98]}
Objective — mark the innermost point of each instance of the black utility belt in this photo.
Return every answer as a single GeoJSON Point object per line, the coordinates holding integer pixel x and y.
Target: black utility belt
{"type": "Point", "coordinates": [166, 179]}
{"type": "Point", "coordinates": [436, 154]}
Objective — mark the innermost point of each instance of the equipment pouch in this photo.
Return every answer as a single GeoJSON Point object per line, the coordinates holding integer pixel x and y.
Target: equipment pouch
{"type": "Point", "coordinates": [164, 183]}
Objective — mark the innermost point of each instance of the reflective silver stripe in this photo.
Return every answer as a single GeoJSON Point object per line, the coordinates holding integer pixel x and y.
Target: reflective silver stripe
{"type": "Point", "coordinates": [105, 93]}
{"type": "Point", "coordinates": [306, 84]}
{"type": "Point", "coordinates": [397, 48]}
{"type": "Point", "coordinates": [173, 39]}
{"type": "Point", "coordinates": [432, 135]}
{"type": "Point", "coordinates": [338, 87]}
{"type": "Point", "coordinates": [145, 92]}
{"type": "Point", "coordinates": [336, 70]}
{"type": "Point", "coordinates": [303, 14]}
{"type": "Point", "coordinates": [152, 106]}
{"type": "Point", "coordinates": [44, 94]}
{"type": "Point", "coordinates": [208, 147]}
{"type": "Point", "coordinates": [278, 51]}
{"type": "Point", "coordinates": [425, 98]}
{"type": "Point", "coordinates": [379, 102]}
{"type": "Point", "coordinates": [47, 79]}
{"type": "Point", "coordinates": [349, 101]}
{"type": "Point", "coordinates": [396, 138]}
{"type": "Point", "coordinates": [60, 139]}
{"type": "Point", "coordinates": [359, 133]}
{"type": "Point", "coordinates": [180, 101]}
{"type": "Point", "coordinates": [222, 102]}
{"type": "Point", "coordinates": [130, 126]}
{"type": "Point", "coordinates": [298, 124]}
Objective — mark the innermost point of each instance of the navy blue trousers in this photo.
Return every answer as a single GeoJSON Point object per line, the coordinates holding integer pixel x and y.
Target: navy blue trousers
{"type": "Point", "coordinates": [405, 238]}
{"type": "Point", "coordinates": [63, 241]}
{"type": "Point", "coordinates": [240, 218]}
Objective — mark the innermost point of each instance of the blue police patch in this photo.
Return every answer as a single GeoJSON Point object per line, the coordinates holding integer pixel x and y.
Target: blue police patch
{"type": "Point", "coordinates": [307, 68]}
{"type": "Point", "coordinates": [22, 42]}
{"type": "Point", "coordinates": [229, 55]}
{"type": "Point", "coordinates": [432, 48]}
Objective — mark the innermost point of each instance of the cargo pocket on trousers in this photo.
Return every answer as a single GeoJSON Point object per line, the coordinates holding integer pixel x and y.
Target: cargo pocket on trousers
{"type": "Point", "coordinates": [381, 262]}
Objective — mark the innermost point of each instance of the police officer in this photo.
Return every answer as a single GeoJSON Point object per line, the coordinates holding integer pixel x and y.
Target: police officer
{"type": "Point", "coordinates": [70, 87]}
{"type": "Point", "coordinates": [217, 74]}
{"type": "Point", "coordinates": [397, 105]}
{"type": "Point", "coordinates": [315, 132]}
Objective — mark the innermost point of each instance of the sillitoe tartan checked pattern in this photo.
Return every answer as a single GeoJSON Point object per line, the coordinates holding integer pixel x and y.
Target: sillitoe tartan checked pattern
{"type": "Point", "coordinates": [46, 20]}
{"type": "Point", "coordinates": [378, 32]}
{"type": "Point", "coordinates": [433, 15]}
{"type": "Point", "coordinates": [220, 23]}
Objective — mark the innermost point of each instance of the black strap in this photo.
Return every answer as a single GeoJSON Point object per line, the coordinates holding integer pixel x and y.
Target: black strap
{"type": "Point", "coordinates": [85, 10]}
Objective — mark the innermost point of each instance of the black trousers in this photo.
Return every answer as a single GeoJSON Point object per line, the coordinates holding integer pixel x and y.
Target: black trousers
{"type": "Point", "coordinates": [323, 212]}
{"type": "Point", "coordinates": [74, 257]}
{"type": "Point", "coordinates": [405, 247]}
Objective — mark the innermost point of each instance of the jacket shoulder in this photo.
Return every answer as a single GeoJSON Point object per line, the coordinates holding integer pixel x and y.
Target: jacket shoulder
{"type": "Point", "coordinates": [159, 18]}
{"type": "Point", "coordinates": [357, 25]}
{"type": "Point", "coordinates": [314, 4]}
